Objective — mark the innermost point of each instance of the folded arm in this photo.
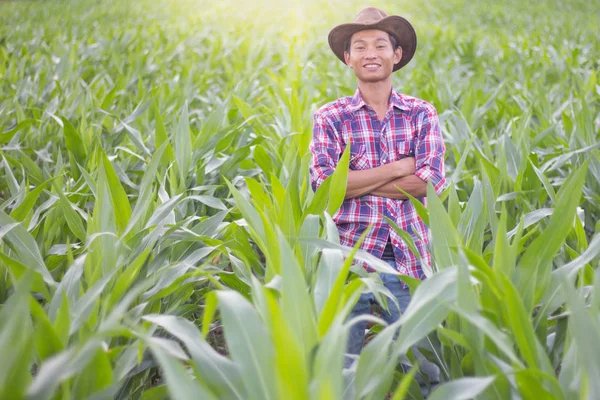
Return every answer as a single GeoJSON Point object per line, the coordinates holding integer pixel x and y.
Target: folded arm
{"type": "Point", "coordinates": [411, 184]}
{"type": "Point", "coordinates": [427, 165]}
{"type": "Point", "coordinates": [410, 174]}
{"type": "Point", "coordinates": [368, 181]}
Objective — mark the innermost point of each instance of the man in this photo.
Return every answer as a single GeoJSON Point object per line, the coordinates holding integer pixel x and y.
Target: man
{"type": "Point", "coordinates": [395, 142]}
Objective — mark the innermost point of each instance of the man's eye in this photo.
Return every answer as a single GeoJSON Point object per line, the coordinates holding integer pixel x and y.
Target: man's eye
{"type": "Point", "coordinates": [381, 47]}
{"type": "Point", "coordinates": [359, 48]}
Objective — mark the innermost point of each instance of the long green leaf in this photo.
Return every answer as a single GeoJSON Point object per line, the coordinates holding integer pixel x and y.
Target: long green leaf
{"type": "Point", "coordinates": [183, 143]}
{"type": "Point", "coordinates": [339, 181]}
{"type": "Point", "coordinates": [249, 344]}
{"type": "Point", "coordinates": [26, 248]}
{"type": "Point", "coordinates": [534, 272]}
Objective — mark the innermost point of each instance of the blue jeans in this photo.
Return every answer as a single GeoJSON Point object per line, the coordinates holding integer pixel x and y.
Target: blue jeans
{"type": "Point", "coordinates": [357, 331]}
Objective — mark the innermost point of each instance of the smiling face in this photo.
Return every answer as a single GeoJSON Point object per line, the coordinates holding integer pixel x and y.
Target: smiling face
{"type": "Point", "coordinates": [371, 55]}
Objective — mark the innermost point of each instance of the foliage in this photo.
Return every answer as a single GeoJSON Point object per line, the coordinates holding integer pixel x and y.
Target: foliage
{"type": "Point", "coordinates": [159, 236]}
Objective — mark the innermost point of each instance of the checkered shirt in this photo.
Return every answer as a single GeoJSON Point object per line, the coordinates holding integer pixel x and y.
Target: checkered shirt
{"type": "Point", "coordinates": [410, 129]}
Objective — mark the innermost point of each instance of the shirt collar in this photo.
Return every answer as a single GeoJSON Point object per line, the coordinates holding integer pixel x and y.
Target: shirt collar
{"type": "Point", "coordinates": [356, 102]}
{"type": "Point", "coordinates": [397, 100]}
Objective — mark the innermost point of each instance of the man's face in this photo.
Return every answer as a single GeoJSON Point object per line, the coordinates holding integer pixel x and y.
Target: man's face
{"type": "Point", "coordinates": [371, 55]}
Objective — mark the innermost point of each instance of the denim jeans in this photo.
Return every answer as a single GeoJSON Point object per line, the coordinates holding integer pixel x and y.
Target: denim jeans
{"type": "Point", "coordinates": [357, 331]}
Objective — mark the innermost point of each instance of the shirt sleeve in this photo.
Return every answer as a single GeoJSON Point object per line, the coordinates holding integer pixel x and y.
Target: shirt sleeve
{"type": "Point", "coordinates": [430, 150]}
{"type": "Point", "coordinates": [325, 149]}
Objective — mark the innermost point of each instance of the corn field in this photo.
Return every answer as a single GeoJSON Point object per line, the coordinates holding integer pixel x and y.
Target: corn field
{"type": "Point", "coordinates": [159, 237]}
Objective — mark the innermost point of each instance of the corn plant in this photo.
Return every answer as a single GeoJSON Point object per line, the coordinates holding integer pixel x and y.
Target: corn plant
{"type": "Point", "coordinates": [159, 237]}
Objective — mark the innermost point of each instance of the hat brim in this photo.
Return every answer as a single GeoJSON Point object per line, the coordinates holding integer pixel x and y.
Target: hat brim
{"type": "Point", "coordinates": [393, 24]}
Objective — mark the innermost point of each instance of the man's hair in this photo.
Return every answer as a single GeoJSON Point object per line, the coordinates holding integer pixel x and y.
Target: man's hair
{"type": "Point", "coordinates": [393, 41]}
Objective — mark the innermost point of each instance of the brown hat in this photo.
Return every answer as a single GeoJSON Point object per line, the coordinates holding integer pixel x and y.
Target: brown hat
{"type": "Point", "coordinates": [374, 18]}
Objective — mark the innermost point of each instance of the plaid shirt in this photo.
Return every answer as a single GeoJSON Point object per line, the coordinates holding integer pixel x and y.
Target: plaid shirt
{"type": "Point", "coordinates": [410, 129]}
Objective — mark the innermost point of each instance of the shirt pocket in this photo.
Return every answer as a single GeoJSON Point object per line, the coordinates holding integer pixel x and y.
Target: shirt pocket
{"type": "Point", "coordinates": [404, 149]}
{"type": "Point", "coordinates": [358, 157]}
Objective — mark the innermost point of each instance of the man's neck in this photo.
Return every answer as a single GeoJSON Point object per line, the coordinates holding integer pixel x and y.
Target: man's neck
{"type": "Point", "coordinates": [376, 94]}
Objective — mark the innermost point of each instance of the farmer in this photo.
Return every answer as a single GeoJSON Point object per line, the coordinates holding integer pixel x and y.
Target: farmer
{"type": "Point", "coordinates": [395, 142]}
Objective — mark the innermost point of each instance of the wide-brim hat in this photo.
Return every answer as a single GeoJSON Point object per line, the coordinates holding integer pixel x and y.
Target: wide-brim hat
{"type": "Point", "coordinates": [374, 18]}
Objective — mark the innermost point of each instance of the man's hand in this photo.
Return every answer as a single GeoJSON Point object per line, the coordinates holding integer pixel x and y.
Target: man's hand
{"type": "Point", "coordinates": [365, 181]}
{"type": "Point", "coordinates": [405, 166]}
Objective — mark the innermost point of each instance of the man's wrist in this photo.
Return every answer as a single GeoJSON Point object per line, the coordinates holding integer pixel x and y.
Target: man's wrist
{"type": "Point", "coordinates": [401, 169]}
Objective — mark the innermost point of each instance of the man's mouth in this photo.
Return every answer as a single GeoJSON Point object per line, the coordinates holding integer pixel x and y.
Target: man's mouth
{"type": "Point", "coordinates": [371, 66]}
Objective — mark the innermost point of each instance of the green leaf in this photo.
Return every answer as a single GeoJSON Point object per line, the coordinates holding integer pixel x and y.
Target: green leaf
{"type": "Point", "coordinates": [585, 331]}
{"type": "Point", "coordinates": [18, 271]}
{"type": "Point", "coordinates": [473, 221]}
{"type": "Point", "coordinates": [163, 211]}
{"type": "Point", "coordinates": [46, 340]}
{"type": "Point", "coordinates": [462, 389]}
{"type": "Point", "coordinates": [531, 384]}
{"type": "Point", "coordinates": [250, 214]}
{"type": "Point", "coordinates": [160, 138]}
{"type": "Point", "coordinates": [327, 382]}
{"type": "Point", "coordinates": [249, 345]}
{"type": "Point", "coordinates": [523, 331]}
{"type": "Point", "coordinates": [487, 327]}
{"type": "Point", "coordinates": [422, 211]}
{"type": "Point", "coordinates": [144, 198]}
{"type": "Point", "coordinates": [15, 189]}
{"type": "Point", "coordinates": [156, 393]}
{"type": "Point", "coordinates": [402, 388]}
{"type": "Point", "coordinates": [296, 304]}
{"type": "Point", "coordinates": [62, 322]}
{"type": "Point", "coordinates": [72, 218]}
{"type": "Point", "coordinates": [73, 142]}
{"type": "Point", "coordinates": [128, 276]}
{"type": "Point", "coordinates": [220, 374]}
{"type": "Point", "coordinates": [84, 307]}
{"type": "Point", "coordinates": [34, 172]}
{"type": "Point", "coordinates": [16, 342]}
{"type": "Point", "coordinates": [319, 201]}
{"type": "Point", "coordinates": [210, 226]}
{"type": "Point", "coordinates": [505, 255]}
{"type": "Point", "coordinates": [330, 264]}
{"type": "Point", "coordinates": [6, 136]}
{"type": "Point", "coordinates": [64, 366]}
{"type": "Point", "coordinates": [376, 365]}
{"type": "Point", "coordinates": [590, 254]}
{"type": "Point", "coordinates": [179, 382]}
{"type": "Point", "coordinates": [339, 182]}
{"type": "Point", "coordinates": [69, 286]}
{"type": "Point", "coordinates": [209, 201]}
{"type": "Point", "coordinates": [119, 199]}
{"type": "Point", "coordinates": [96, 376]}
{"type": "Point", "coordinates": [428, 307]}
{"type": "Point", "coordinates": [183, 143]}
{"type": "Point", "coordinates": [444, 237]}
{"type": "Point", "coordinates": [542, 177]}
{"type": "Point", "coordinates": [405, 237]}
{"type": "Point", "coordinates": [108, 99]}
{"type": "Point", "coordinates": [332, 305]}
{"type": "Point", "coordinates": [27, 204]}
{"type": "Point", "coordinates": [533, 275]}
{"type": "Point", "coordinates": [290, 354]}
{"type": "Point", "coordinates": [310, 228]}
{"type": "Point", "coordinates": [263, 160]}
{"type": "Point", "coordinates": [26, 248]}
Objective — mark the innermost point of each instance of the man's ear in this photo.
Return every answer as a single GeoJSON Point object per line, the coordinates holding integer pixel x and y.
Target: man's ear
{"type": "Point", "coordinates": [347, 58]}
{"type": "Point", "coordinates": [397, 55]}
